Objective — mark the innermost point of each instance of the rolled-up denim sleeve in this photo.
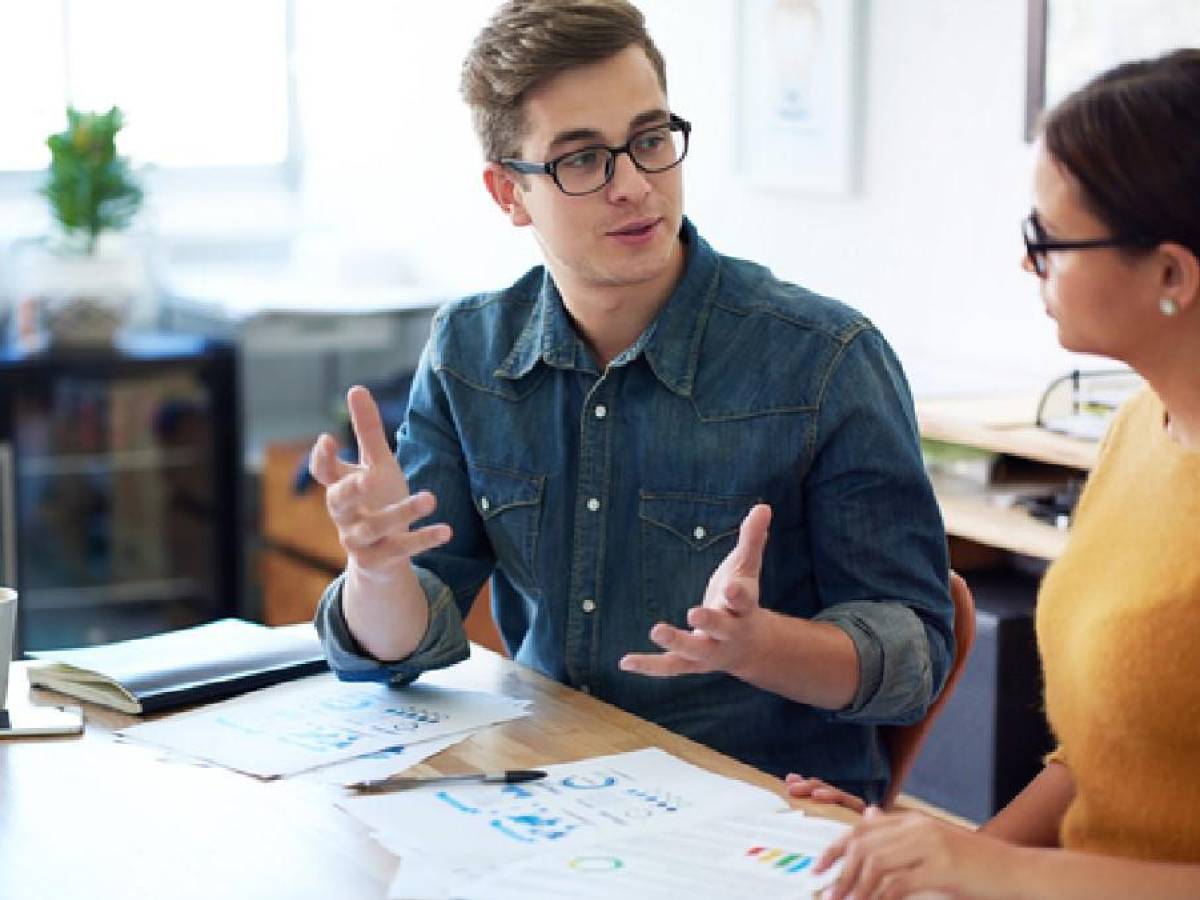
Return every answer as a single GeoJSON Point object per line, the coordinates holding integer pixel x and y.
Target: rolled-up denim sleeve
{"type": "Point", "coordinates": [878, 546]}
{"type": "Point", "coordinates": [443, 644]}
{"type": "Point", "coordinates": [895, 670]}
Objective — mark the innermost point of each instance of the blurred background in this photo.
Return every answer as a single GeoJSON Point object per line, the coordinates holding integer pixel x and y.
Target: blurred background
{"type": "Point", "coordinates": [306, 190]}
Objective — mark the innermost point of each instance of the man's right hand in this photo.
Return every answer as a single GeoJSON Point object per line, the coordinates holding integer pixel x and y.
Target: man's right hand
{"type": "Point", "coordinates": [369, 501]}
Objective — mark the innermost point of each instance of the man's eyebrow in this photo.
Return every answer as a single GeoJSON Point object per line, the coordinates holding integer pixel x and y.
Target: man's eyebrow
{"type": "Point", "coordinates": [650, 117]}
{"type": "Point", "coordinates": [641, 120]}
{"type": "Point", "coordinates": [576, 134]}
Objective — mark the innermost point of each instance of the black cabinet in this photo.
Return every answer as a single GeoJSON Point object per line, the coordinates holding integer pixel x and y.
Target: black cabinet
{"type": "Point", "coordinates": [989, 741]}
{"type": "Point", "coordinates": [119, 488]}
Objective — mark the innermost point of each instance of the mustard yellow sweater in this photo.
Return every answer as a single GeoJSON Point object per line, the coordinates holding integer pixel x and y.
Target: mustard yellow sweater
{"type": "Point", "coordinates": [1118, 626]}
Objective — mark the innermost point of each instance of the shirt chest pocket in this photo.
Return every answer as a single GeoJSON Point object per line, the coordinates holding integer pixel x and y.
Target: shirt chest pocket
{"type": "Point", "coordinates": [684, 537]}
{"type": "Point", "coordinates": [510, 505]}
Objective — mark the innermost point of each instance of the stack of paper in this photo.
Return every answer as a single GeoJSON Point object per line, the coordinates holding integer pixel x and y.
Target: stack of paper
{"type": "Point", "coordinates": [760, 857]}
{"type": "Point", "coordinates": [319, 721]}
{"type": "Point", "coordinates": [383, 763]}
{"type": "Point", "coordinates": [468, 840]}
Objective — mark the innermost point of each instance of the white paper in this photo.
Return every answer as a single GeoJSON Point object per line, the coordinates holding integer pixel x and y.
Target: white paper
{"type": "Point", "coordinates": [319, 720]}
{"type": "Point", "coordinates": [757, 857]}
{"type": "Point", "coordinates": [466, 832]}
{"type": "Point", "coordinates": [383, 763]}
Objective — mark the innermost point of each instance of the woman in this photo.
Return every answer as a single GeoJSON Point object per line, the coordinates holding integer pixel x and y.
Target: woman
{"type": "Point", "coordinates": [1114, 237]}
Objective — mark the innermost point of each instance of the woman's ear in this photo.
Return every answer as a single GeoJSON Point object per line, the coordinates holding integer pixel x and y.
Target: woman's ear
{"type": "Point", "coordinates": [1180, 275]}
{"type": "Point", "coordinates": [507, 193]}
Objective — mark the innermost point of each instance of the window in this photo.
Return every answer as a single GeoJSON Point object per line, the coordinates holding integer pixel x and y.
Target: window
{"type": "Point", "coordinates": [202, 85]}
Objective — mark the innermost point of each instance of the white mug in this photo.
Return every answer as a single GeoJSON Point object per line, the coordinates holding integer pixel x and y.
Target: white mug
{"type": "Point", "coordinates": [8, 627]}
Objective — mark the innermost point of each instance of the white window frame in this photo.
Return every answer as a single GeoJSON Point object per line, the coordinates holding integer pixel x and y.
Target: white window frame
{"type": "Point", "coordinates": [284, 176]}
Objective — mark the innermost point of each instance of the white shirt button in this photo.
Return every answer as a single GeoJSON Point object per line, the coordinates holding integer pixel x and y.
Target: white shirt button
{"type": "Point", "coordinates": [485, 504]}
{"type": "Point", "coordinates": [699, 533]}
{"type": "Point", "coordinates": [589, 605]}
{"type": "Point", "coordinates": [593, 504]}
{"type": "Point", "coordinates": [601, 410]}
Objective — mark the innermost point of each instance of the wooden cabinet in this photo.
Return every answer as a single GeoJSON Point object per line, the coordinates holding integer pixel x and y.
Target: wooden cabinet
{"type": "Point", "coordinates": [301, 553]}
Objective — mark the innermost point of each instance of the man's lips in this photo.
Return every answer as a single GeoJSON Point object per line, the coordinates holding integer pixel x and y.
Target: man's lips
{"type": "Point", "coordinates": [636, 227]}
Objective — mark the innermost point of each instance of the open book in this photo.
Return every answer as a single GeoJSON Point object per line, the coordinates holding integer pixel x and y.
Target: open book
{"type": "Point", "coordinates": [193, 665]}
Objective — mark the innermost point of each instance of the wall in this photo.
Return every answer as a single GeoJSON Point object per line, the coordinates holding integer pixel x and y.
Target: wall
{"type": "Point", "coordinates": [928, 245]}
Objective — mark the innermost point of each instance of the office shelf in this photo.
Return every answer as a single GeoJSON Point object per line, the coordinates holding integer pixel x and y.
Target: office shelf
{"type": "Point", "coordinates": [119, 488]}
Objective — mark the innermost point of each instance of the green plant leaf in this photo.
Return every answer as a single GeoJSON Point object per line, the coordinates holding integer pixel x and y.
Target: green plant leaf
{"type": "Point", "coordinates": [89, 187]}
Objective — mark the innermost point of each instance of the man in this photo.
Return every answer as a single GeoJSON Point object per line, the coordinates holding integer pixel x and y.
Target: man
{"type": "Point", "coordinates": [698, 491]}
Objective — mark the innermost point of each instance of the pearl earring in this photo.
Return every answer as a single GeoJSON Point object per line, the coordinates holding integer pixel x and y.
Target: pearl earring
{"type": "Point", "coordinates": [1168, 307]}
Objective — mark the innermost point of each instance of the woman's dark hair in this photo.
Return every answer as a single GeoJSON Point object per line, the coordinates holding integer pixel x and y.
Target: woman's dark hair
{"type": "Point", "coordinates": [1131, 137]}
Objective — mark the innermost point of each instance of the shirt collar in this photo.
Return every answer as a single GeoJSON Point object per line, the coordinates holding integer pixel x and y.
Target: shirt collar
{"type": "Point", "coordinates": [673, 340]}
{"type": "Point", "coordinates": [671, 343]}
{"type": "Point", "coordinates": [547, 336]}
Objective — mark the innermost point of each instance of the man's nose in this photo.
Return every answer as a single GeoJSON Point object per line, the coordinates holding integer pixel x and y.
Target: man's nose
{"type": "Point", "coordinates": [628, 181]}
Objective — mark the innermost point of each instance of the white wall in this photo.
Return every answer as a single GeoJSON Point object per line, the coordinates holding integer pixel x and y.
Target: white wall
{"type": "Point", "coordinates": [928, 245]}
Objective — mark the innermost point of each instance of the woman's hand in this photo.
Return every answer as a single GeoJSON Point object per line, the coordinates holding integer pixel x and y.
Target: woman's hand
{"type": "Point", "coordinates": [893, 855]}
{"type": "Point", "coordinates": [801, 788]}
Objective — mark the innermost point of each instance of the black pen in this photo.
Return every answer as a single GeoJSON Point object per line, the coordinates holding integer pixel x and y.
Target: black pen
{"type": "Point", "coordinates": [404, 782]}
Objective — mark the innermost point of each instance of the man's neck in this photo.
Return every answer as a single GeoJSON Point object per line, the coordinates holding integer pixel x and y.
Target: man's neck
{"type": "Point", "coordinates": [610, 318]}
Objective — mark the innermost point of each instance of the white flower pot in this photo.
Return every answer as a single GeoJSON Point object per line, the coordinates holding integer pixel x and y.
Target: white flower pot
{"type": "Point", "coordinates": [83, 300]}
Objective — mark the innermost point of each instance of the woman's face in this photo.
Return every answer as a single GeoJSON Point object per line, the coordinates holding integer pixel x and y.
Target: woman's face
{"type": "Point", "coordinates": [1103, 300]}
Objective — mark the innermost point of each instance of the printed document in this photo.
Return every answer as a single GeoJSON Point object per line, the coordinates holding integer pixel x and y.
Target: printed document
{"type": "Point", "coordinates": [761, 857]}
{"type": "Point", "coordinates": [317, 721]}
{"type": "Point", "coordinates": [446, 835]}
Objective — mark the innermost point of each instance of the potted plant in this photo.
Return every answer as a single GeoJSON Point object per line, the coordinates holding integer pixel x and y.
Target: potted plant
{"type": "Point", "coordinates": [85, 283]}
{"type": "Point", "coordinates": [91, 189]}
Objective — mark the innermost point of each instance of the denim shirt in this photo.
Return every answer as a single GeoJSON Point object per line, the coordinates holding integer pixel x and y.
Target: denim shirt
{"type": "Point", "coordinates": [599, 502]}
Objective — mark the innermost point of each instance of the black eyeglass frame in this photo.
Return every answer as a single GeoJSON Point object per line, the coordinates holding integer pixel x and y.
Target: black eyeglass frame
{"type": "Point", "coordinates": [1040, 244]}
{"type": "Point", "coordinates": [674, 123]}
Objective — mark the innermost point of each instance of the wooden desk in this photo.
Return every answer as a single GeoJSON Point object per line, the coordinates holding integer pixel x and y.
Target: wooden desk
{"type": "Point", "coordinates": [1002, 424]}
{"type": "Point", "coordinates": [99, 818]}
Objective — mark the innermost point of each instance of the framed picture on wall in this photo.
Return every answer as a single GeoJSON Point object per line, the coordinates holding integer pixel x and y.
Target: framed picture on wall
{"type": "Point", "coordinates": [797, 93]}
{"type": "Point", "coordinates": [1072, 40]}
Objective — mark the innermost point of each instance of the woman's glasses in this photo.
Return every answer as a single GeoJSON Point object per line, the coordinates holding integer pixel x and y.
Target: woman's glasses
{"type": "Point", "coordinates": [1038, 243]}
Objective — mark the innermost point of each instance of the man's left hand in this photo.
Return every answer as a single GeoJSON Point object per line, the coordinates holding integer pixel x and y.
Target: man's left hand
{"type": "Point", "coordinates": [729, 628]}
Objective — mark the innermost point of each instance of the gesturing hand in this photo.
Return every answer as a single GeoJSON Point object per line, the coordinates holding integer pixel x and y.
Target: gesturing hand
{"type": "Point", "coordinates": [728, 625]}
{"type": "Point", "coordinates": [369, 502]}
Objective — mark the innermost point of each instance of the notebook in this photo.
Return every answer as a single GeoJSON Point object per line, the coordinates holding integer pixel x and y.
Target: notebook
{"type": "Point", "coordinates": [178, 668]}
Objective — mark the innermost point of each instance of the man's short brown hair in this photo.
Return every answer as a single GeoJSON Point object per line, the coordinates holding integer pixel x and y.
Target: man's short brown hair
{"type": "Point", "coordinates": [528, 42]}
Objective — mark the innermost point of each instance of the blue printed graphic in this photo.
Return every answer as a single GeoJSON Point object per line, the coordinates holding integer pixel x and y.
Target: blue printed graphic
{"type": "Point", "coordinates": [531, 828]}
{"type": "Point", "coordinates": [445, 797]}
{"type": "Point", "coordinates": [588, 782]}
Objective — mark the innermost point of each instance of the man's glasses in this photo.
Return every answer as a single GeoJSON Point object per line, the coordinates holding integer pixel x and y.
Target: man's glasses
{"type": "Point", "coordinates": [1038, 243]}
{"type": "Point", "coordinates": [587, 170]}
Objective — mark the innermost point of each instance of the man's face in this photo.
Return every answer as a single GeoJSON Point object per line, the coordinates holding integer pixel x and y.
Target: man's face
{"type": "Point", "coordinates": [626, 233]}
